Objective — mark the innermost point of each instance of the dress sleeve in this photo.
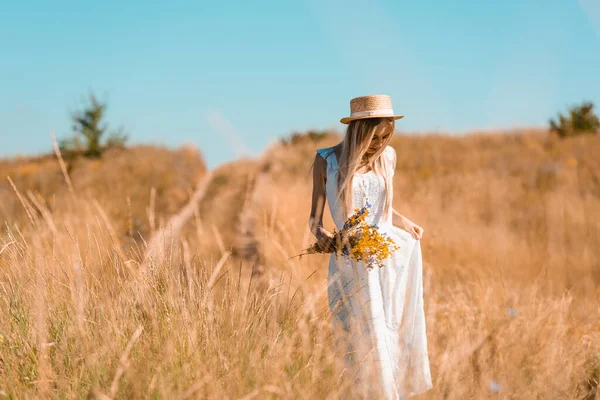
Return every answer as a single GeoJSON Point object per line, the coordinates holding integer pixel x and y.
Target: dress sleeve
{"type": "Point", "coordinates": [391, 157]}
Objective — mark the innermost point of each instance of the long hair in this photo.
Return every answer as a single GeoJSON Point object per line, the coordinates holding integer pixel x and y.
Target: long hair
{"type": "Point", "coordinates": [354, 146]}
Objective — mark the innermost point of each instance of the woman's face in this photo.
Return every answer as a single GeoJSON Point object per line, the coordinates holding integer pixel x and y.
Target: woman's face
{"type": "Point", "coordinates": [380, 137]}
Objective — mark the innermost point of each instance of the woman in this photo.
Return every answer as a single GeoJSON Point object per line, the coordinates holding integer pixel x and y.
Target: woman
{"type": "Point", "coordinates": [378, 316]}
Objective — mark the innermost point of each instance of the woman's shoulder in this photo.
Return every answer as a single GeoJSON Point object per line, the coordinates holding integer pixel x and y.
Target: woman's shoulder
{"type": "Point", "coordinates": [390, 157]}
{"type": "Point", "coordinates": [390, 153]}
{"type": "Point", "coordinates": [321, 158]}
{"type": "Point", "coordinates": [325, 152]}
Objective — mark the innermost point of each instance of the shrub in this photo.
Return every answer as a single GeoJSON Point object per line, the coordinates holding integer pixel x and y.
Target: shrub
{"type": "Point", "coordinates": [312, 136]}
{"type": "Point", "coordinates": [580, 120]}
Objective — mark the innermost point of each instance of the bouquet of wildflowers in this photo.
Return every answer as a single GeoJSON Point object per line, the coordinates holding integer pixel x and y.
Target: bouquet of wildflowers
{"type": "Point", "coordinates": [359, 241]}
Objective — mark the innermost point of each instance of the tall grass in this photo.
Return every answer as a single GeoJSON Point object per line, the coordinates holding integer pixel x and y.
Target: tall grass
{"type": "Point", "coordinates": [77, 317]}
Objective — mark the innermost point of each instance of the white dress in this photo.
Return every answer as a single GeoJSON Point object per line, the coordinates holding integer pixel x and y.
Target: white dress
{"type": "Point", "coordinates": [378, 316]}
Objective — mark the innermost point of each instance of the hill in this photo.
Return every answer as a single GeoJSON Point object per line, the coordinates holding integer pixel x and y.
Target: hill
{"type": "Point", "coordinates": [138, 188]}
{"type": "Point", "coordinates": [512, 271]}
{"type": "Point", "coordinates": [477, 197]}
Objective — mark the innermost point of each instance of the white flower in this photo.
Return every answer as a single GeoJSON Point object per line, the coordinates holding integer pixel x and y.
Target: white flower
{"type": "Point", "coordinates": [495, 387]}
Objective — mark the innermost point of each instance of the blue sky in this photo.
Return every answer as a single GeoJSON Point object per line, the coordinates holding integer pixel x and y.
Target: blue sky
{"type": "Point", "coordinates": [231, 77]}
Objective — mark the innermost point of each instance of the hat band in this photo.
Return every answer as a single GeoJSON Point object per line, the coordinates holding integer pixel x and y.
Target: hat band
{"type": "Point", "coordinates": [382, 112]}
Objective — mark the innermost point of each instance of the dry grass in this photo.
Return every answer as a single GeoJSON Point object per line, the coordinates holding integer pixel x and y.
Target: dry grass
{"type": "Point", "coordinates": [512, 224]}
{"type": "Point", "coordinates": [125, 183]}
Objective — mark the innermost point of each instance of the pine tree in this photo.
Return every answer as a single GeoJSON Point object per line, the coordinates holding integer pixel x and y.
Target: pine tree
{"type": "Point", "coordinates": [89, 130]}
{"type": "Point", "coordinates": [88, 123]}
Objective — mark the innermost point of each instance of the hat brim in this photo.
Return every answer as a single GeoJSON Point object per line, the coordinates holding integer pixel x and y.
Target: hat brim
{"type": "Point", "coordinates": [347, 120]}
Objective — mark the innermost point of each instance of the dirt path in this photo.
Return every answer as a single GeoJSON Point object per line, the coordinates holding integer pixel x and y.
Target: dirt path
{"type": "Point", "coordinates": [245, 245]}
{"type": "Point", "coordinates": [162, 240]}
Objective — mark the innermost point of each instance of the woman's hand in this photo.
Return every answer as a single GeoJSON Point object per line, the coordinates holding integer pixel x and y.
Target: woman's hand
{"type": "Point", "coordinates": [411, 228]}
{"type": "Point", "coordinates": [326, 240]}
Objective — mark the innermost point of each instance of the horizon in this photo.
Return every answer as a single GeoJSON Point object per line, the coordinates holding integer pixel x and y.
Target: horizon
{"type": "Point", "coordinates": [538, 130]}
{"type": "Point", "coordinates": [231, 81]}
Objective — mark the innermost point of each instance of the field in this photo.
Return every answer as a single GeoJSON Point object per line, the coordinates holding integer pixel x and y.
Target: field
{"type": "Point", "coordinates": [144, 275]}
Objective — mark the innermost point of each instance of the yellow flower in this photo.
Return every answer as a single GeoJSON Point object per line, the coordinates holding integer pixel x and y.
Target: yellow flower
{"type": "Point", "coordinates": [572, 162]}
{"type": "Point", "coordinates": [360, 241]}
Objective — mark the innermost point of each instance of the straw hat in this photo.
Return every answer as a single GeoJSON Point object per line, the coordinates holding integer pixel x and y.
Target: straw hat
{"type": "Point", "coordinates": [373, 106]}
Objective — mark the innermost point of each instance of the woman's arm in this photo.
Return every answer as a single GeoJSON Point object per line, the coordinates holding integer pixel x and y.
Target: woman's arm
{"type": "Point", "coordinates": [402, 222]}
{"type": "Point", "coordinates": [319, 197]}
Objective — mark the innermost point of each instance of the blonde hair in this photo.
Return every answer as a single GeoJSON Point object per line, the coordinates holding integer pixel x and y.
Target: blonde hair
{"type": "Point", "coordinates": [354, 146]}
